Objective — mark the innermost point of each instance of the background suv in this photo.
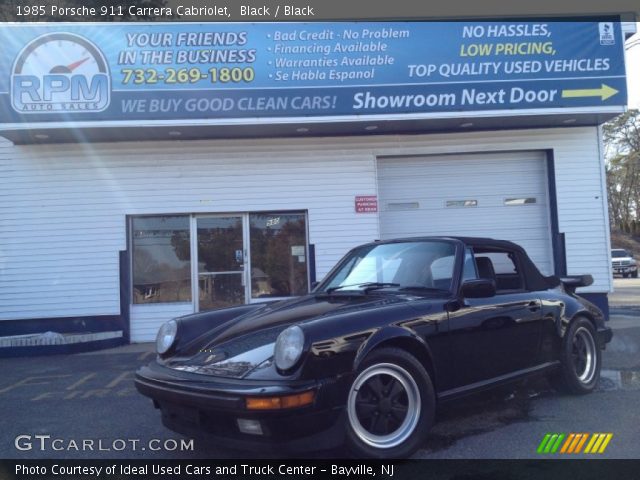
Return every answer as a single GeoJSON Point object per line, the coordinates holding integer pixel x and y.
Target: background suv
{"type": "Point", "coordinates": [623, 263]}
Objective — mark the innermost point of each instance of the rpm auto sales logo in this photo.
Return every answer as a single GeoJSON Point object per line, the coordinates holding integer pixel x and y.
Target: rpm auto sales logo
{"type": "Point", "coordinates": [60, 73]}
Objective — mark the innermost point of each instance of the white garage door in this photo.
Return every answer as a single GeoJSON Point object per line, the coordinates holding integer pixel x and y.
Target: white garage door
{"type": "Point", "coordinates": [501, 196]}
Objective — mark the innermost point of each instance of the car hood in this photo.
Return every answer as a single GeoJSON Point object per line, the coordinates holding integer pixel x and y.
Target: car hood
{"type": "Point", "coordinates": [239, 346]}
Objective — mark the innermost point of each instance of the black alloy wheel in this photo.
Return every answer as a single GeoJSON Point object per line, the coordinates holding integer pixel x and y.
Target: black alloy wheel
{"type": "Point", "coordinates": [390, 405]}
{"type": "Point", "coordinates": [580, 359]}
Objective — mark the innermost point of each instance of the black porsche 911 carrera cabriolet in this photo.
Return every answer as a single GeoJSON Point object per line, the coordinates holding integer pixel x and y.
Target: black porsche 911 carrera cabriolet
{"type": "Point", "coordinates": [395, 328]}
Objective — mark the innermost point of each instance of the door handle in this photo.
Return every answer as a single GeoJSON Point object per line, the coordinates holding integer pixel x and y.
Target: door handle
{"type": "Point", "coordinates": [533, 306]}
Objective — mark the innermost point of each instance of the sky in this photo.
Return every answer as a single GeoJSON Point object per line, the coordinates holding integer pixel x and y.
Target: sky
{"type": "Point", "coordinates": [633, 69]}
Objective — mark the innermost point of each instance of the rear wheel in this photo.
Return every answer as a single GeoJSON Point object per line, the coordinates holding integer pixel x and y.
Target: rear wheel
{"type": "Point", "coordinates": [635, 274]}
{"type": "Point", "coordinates": [580, 359]}
{"type": "Point", "coordinates": [391, 405]}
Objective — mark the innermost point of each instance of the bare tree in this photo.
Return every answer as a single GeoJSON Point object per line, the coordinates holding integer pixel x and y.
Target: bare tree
{"type": "Point", "coordinates": [622, 151]}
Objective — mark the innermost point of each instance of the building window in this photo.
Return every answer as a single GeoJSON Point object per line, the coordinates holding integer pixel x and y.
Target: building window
{"type": "Point", "coordinates": [461, 203]}
{"type": "Point", "coordinates": [519, 201]}
{"type": "Point", "coordinates": [219, 260]}
{"type": "Point", "coordinates": [403, 206]}
{"type": "Point", "coordinates": [278, 246]}
{"type": "Point", "coordinates": [161, 259]}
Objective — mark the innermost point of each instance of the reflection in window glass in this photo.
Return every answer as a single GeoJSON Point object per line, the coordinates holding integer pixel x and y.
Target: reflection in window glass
{"type": "Point", "coordinates": [278, 254]}
{"type": "Point", "coordinates": [161, 259]}
{"type": "Point", "coordinates": [374, 269]}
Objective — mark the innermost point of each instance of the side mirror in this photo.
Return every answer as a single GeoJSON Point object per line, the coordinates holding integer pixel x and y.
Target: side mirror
{"type": "Point", "coordinates": [481, 288]}
{"type": "Point", "coordinates": [314, 285]}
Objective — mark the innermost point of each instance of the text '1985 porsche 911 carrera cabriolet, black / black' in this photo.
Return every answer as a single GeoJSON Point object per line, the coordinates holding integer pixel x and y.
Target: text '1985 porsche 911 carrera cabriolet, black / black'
{"type": "Point", "coordinates": [394, 329]}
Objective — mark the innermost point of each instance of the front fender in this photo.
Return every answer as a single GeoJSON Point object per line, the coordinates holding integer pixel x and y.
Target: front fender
{"type": "Point", "coordinates": [395, 336]}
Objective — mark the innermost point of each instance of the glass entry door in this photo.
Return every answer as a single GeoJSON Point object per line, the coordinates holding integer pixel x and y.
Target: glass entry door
{"type": "Point", "coordinates": [221, 265]}
{"type": "Point", "coordinates": [250, 257]}
{"type": "Point", "coordinates": [278, 255]}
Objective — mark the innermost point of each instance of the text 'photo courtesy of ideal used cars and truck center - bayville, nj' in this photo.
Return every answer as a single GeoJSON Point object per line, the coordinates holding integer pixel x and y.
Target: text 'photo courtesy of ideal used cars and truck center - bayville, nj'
{"type": "Point", "coordinates": [250, 231]}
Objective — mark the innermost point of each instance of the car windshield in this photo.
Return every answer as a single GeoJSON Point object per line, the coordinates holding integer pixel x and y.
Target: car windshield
{"type": "Point", "coordinates": [399, 266]}
{"type": "Point", "coordinates": [619, 253]}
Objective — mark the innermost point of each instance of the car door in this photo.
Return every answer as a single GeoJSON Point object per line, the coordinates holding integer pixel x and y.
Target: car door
{"type": "Point", "coordinates": [500, 335]}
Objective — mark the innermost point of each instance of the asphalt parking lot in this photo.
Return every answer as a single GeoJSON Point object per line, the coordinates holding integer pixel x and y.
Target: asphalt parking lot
{"type": "Point", "coordinates": [626, 293]}
{"type": "Point", "coordinates": [75, 398]}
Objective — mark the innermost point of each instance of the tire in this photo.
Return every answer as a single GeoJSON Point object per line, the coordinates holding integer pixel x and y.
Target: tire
{"type": "Point", "coordinates": [635, 274]}
{"type": "Point", "coordinates": [625, 275]}
{"type": "Point", "coordinates": [580, 359]}
{"type": "Point", "coordinates": [390, 407]}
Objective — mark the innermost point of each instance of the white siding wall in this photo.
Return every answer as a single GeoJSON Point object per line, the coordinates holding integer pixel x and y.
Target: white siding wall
{"type": "Point", "coordinates": [146, 319]}
{"type": "Point", "coordinates": [488, 179]}
{"type": "Point", "coordinates": [63, 207]}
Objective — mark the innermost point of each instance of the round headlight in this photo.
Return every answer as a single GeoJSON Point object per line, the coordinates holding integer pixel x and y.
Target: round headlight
{"type": "Point", "coordinates": [289, 346]}
{"type": "Point", "coordinates": [166, 336]}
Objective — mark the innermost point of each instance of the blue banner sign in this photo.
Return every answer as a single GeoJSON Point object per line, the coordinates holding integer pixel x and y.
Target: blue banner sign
{"type": "Point", "coordinates": [186, 71]}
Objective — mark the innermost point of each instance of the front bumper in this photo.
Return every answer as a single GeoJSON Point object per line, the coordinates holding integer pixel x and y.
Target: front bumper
{"type": "Point", "coordinates": [625, 269]}
{"type": "Point", "coordinates": [209, 408]}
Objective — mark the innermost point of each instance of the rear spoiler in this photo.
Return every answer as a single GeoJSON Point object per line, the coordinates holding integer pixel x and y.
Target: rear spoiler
{"type": "Point", "coordinates": [571, 282]}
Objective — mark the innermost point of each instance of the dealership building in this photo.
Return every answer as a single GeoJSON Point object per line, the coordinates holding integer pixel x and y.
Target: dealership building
{"type": "Point", "coordinates": [155, 170]}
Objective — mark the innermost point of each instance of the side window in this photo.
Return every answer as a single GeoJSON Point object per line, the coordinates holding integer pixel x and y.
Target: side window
{"type": "Point", "coordinates": [442, 267]}
{"type": "Point", "coordinates": [469, 271]}
{"type": "Point", "coordinates": [502, 263]}
{"type": "Point", "coordinates": [505, 270]}
{"type": "Point", "coordinates": [441, 272]}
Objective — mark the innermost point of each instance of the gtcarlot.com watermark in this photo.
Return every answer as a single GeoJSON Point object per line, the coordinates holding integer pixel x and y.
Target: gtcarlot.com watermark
{"type": "Point", "coordinates": [44, 443]}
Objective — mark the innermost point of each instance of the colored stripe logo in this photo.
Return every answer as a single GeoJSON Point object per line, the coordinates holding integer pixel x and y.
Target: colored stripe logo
{"type": "Point", "coordinates": [574, 443]}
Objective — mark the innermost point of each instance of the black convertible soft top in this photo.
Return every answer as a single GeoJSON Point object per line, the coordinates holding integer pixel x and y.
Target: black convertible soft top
{"type": "Point", "coordinates": [533, 278]}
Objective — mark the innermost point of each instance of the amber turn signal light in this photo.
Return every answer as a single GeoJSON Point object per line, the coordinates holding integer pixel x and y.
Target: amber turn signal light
{"type": "Point", "coordinates": [276, 403]}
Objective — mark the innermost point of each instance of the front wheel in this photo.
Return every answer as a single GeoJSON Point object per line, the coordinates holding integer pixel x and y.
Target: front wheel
{"type": "Point", "coordinates": [390, 406]}
{"type": "Point", "coordinates": [580, 359]}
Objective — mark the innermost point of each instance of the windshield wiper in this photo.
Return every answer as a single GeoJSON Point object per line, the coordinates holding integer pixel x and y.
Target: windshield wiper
{"type": "Point", "coordinates": [365, 286]}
